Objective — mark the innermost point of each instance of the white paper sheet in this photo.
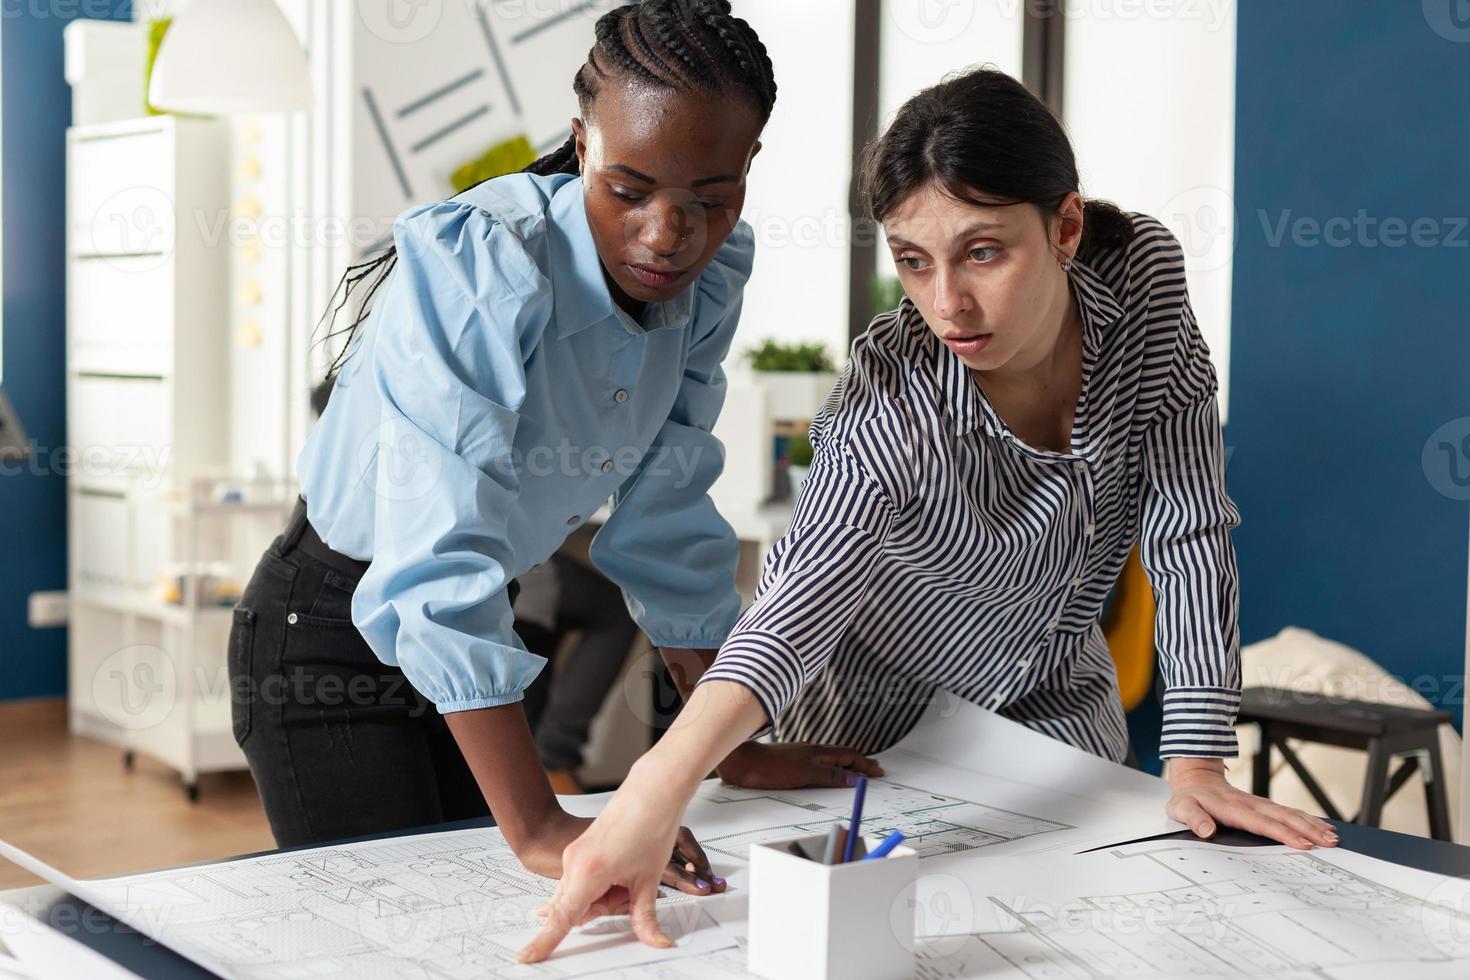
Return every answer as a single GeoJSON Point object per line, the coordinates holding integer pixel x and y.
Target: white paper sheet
{"type": "Point", "coordinates": [1165, 909]}
{"type": "Point", "coordinates": [42, 953]}
{"type": "Point", "coordinates": [448, 905]}
{"type": "Point", "coordinates": [11, 969]}
{"type": "Point", "coordinates": [992, 807]}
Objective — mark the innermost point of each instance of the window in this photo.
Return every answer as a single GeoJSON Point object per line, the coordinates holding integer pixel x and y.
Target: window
{"type": "Point", "coordinates": [1149, 102]}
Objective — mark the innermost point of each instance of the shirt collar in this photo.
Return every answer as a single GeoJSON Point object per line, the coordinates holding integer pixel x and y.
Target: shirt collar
{"type": "Point", "coordinates": [1097, 306]}
{"type": "Point", "coordinates": [1095, 301]}
{"type": "Point", "coordinates": [579, 292]}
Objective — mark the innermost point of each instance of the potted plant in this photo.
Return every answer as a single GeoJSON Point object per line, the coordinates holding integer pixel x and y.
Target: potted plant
{"type": "Point", "coordinates": [797, 378]}
{"type": "Point", "coordinates": [798, 463]}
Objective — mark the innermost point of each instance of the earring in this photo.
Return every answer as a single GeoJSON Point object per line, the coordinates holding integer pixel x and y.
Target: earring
{"type": "Point", "coordinates": [1066, 264]}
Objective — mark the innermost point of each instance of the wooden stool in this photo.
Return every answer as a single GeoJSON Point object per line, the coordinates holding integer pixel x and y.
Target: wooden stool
{"type": "Point", "coordinates": [1384, 731]}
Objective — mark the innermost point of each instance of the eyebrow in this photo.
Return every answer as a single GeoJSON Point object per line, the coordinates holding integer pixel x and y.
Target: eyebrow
{"type": "Point", "coordinates": [703, 181]}
{"type": "Point", "coordinates": [969, 231]}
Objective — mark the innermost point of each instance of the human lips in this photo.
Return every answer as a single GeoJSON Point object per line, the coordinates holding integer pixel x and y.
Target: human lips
{"type": "Point", "coordinates": [967, 344]}
{"type": "Point", "coordinates": [655, 276]}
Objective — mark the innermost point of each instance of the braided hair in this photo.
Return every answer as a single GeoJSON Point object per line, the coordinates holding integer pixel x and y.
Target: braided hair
{"type": "Point", "coordinates": [677, 45]}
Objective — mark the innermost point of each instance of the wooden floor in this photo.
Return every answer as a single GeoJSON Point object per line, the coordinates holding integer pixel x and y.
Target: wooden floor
{"type": "Point", "coordinates": [70, 802]}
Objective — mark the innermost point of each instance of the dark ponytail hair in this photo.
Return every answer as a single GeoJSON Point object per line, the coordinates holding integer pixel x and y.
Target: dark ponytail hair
{"type": "Point", "coordinates": [680, 45]}
{"type": "Point", "coordinates": [983, 132]}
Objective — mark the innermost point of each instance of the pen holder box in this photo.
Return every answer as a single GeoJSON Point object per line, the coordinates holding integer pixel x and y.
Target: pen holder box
{"type": "Point", "coordinates": [808, 919]}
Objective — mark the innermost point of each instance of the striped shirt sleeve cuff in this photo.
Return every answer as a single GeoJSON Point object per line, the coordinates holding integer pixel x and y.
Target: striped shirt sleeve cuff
{"type": "Point", "coordinates": [764, 664]}
{"type": "Point", "coordinates": [1200, 722]}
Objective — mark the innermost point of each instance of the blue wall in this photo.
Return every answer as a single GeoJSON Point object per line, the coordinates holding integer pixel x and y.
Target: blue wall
{"type": "Point", "coordinates": [1344, 360]}
{"type": "Point", "coordinates": [36, 112]}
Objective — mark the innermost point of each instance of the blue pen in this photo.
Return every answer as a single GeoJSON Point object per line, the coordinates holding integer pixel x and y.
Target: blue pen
{"type": "Point", "coordinates": [889, 843]}
{"type": "Point", "coordinates": [849, 847]}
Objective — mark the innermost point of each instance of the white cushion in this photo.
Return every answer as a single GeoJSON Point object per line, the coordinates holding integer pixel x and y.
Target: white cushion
{"type": "Point", "coordinates": [1299, 660]}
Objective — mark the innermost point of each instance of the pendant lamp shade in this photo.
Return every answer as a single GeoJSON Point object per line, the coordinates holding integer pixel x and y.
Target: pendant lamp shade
{"type": "Point", "coordinates": [230, 56]}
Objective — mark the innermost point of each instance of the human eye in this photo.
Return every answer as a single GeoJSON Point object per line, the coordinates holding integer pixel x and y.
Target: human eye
{"type": "Point", "coordinates": [984, 253]}
{"type": "Point", "coordinates": [624, 193]}
{"type": "Point", "coordinates": [912, 262]}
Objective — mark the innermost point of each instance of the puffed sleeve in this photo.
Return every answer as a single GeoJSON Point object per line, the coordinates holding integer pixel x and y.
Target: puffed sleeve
{"type": "Point", "coordinates": [454, 326]}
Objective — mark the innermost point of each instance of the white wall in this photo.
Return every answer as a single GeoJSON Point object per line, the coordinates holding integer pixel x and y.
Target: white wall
{"type": "Point", "coordinates": [924, 40]}
{"type": "Point", "coordinates": [797, 201]}
{"type": "Point", "coordinates": [1150, 106]}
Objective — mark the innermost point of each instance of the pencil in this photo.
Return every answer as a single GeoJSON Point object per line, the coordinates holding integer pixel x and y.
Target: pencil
{"type": "Point", "coordinates": [850, 846]}
{"type": "Point", "coordinates": [834, 842]}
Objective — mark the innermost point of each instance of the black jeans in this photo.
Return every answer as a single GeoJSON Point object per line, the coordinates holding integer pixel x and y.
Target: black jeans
{"type": "Point", "coordinates": [339, 743]}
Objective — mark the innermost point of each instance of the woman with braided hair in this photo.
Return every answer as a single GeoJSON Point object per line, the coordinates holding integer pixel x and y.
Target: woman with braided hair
{"type": "Point", "coordinates": [546, 340]}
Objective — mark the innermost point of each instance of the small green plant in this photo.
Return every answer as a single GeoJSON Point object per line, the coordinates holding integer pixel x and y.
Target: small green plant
{"type": "Point", "coordinates": [771, 356]}
{"type": "Point", "coordinates": [887, 294]}
{"type": "Point", "coordinates": [799, 451]}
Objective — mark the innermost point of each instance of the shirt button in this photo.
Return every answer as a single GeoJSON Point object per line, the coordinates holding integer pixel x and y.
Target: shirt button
{"type": "Point", "coordinates": [621, 395]}
{"type": "Point", "coordinates": [607, 466]}
{"type": "Point", "coordinates": [1076, 581]}
{"type": "Point", "coordinates": [573, 521]}
{"type": "Point", "coordinates": [1023, 664]}
{"type": "Point", "coordinates": [1051, 627]}
{"type": "Point", "coordinates": [1088, 530]}
{"type": "Point", "coordinates": [291, 619]}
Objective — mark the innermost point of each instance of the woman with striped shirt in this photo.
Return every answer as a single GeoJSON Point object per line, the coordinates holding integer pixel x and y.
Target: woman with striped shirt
{"type": "Point", "coordinates": [1041, 400]}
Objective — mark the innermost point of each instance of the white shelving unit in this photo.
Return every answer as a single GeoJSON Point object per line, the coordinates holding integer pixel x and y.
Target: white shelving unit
{"type": "Point", "coordinates": [148, 408]}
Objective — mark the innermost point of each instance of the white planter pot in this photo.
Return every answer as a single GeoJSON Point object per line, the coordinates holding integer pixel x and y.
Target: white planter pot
{"type": "Point", "coordinates": [795, 394]}
{"type": "Point", "coordinates": [797, 475]}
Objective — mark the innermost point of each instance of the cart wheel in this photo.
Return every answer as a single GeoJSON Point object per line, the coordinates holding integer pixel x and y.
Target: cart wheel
{"type": "Point", "coordinates": [129, 760]}
{"type": "Point", "coordinates": [192, 791]}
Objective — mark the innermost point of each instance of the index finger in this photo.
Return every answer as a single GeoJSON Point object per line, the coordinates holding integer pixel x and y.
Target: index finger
{"type": "Point", "coordinates": [573, 897]}
{"type": "Point", "coordinates": [687, 846]}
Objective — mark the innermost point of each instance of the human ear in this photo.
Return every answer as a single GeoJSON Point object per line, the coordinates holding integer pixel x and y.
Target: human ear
{"type": "Point", "coordinates": [1071, 215]}
{"type": "Point", "coordinates": [579, 130]}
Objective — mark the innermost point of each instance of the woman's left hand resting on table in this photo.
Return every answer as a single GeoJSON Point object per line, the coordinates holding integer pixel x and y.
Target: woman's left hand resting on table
{"type": "Point", "coordinates": [1204, 800]}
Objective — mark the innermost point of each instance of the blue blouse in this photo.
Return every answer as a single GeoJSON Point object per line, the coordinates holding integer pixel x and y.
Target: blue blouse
{"type": "Point", "coordinates": [497, 397]}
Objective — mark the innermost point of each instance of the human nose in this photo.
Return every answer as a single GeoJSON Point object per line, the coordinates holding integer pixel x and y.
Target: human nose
{"type": "Point", "coordinates": [670, 226]}
{"type": "Point", "coordinates": [951, 298]}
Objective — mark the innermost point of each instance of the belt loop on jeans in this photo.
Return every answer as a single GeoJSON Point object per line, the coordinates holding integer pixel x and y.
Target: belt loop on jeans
{"type": "Point", "coordinates": [295, 525]}
{"type": "Point", "coordinates": [301, 535]}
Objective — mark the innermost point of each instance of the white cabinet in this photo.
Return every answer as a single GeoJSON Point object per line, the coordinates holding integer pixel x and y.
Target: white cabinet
{"type": "Point", "coordinates": [148, 350]}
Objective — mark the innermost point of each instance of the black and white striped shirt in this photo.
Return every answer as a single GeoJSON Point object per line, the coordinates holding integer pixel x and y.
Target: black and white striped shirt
{"type": "Point", "coordinates": [932, 548]}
